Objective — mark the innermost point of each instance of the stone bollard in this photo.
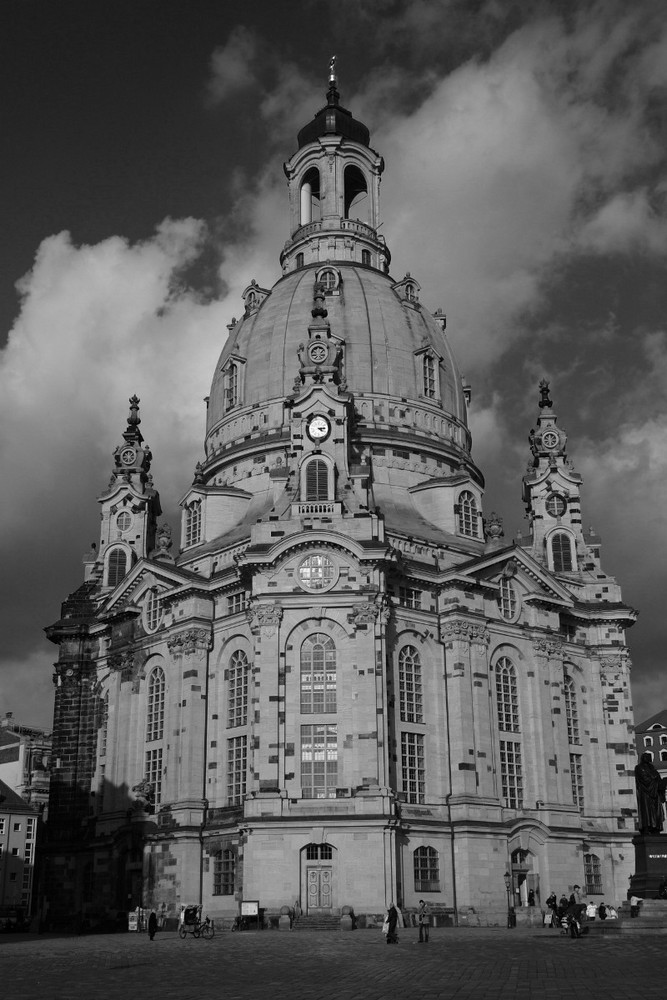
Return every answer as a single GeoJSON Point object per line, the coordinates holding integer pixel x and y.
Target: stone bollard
{"type": "Point", "coordinates": [346, 922]}
{"type": "Point", "coordinates": [284, 920]}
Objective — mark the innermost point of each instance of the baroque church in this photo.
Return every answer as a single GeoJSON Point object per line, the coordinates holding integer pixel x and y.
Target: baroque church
{"type": "Point", "coordinates": [341, 686]}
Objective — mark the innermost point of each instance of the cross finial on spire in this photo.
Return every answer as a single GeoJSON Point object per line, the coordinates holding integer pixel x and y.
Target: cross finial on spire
{"type": "Point", "coordinates": [134, 418]}
{"type": "Point", "coordinates": [332, 71]}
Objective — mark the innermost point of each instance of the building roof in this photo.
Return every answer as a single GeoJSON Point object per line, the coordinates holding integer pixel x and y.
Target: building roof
{"type": "Point", "coordinates": [10, 802]}
{"type": "Point", "coordinates": [659, 719]}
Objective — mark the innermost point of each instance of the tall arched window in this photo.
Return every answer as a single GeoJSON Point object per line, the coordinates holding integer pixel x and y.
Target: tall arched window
{"type": "Point", "coordinates": [426, 869]}
{"type": "Point", "coordinates": [356, 194]}
{"type": "Point", "coordinates": [299, 260]}
{"type": "Point", "coordinates": [571, 711]}
{"type": "Point", "coordinates": [193, 523]}
{"type": "Point", "coordinates": [410, 684]}
{"type": "Point", "coordinates": [155, 705]}
{"type": "Point", "coordinates": [317, 480]}
{"type": "Point", "coordinates": [117, 566]}
{"type": "Point", "coordinates": [507, 696]}
{"type": "Point", "coordinates": [366, 257]}
{"type": "Point", "coordinates": [237, 690]}
{"type": "Point", "coordinates": [310, 196]}
{"type": "Point", "coordinates": [561, 552]}
{"type": "Point", "coordinates": [155, 732]}
{"type": "Point", "coordinates": [508, 600]}
{"type": "Point", "coordinates": [318, 674]}
{"type": "Point", "coordinates": [468, 514]}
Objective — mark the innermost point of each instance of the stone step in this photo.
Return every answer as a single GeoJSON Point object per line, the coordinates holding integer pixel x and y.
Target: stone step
{"type": "Point", "coordinates": [317, 922]}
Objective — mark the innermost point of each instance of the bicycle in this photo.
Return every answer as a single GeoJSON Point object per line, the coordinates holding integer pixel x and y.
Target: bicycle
{"type": "Point", "coordinates": [191, 923]}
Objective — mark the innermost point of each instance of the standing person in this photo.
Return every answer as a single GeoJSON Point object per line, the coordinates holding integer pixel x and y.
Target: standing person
{"type": "Point", "coordinates": [392, 920]}
{"type": "Point", "coordinates": [424, 921]}
{"type": "Point", "coordinates": [152, 925]}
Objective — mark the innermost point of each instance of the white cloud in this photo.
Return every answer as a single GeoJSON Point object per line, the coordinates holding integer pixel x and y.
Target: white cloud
{"type": "Point", "coordinates": [231, 65]}
{"type": "Point", "coordinates": [625, 223]}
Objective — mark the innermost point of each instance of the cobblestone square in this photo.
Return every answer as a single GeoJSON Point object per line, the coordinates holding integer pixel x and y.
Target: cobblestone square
{"type": "Point", "coordinates": [475, 963]}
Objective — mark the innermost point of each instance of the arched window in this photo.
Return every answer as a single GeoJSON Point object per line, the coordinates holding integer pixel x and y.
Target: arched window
{"type": "Point", "coordinates": [663, 740]}
{"type": "Point", "coordinates": [328, 278]}
{"type": "Point", "coordinates": [310, 197]}
{"type": "Point", "coordinates": [508, 600]}
{"type": "Point", "coordinates": [571, 711]}
{"type": "Point", "coordinates": [356, 194]}
{"type": "Point", "coordinates": [429, 376]}
{"type": "Point", "coordinates": [366, 257]}
{"type": "Point", "coordinates": [237, 690]}
{"type": "Point", "coordinates": [155, 705]}
{"type": "Point", "coordinates": [317, 480]}
{"type": "Point", "coordinates": [319, 852]}
{"type": "Point", "coordinates": [561, 551]}
{"type": "Point", "coordinates": [649, 754]}
{"type": "Point", "coordinates": [410, 684]}
{"type": "Point", "coordinates": [506, 696]}
{"type": "Point", "coordinates": [152, 610]}
{"type": "Point", "coordinates": [224, 869]}
{"type": "Point", "coordinates": [426, 869]}
{"type": "Point", "coordinates": [648, 741]}
{"type": "Point", "coordinates": [299, 260]}
{"type": "Point", "coordinates": [318, 674]}
{"type": "Point", "coordinates": [117, 566]}
{"type": "Point", "coordinates": [193, 523]}
{"type": "Point", "coordinates": [468, 514]}
{"type": "Point", "coordinates": [592, 875]}
{"type": "Point", "coordinates": [663, 755]}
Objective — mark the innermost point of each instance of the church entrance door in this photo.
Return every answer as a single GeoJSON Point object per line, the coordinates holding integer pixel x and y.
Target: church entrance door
{"type": "Point", "coordinates": [319, 884]}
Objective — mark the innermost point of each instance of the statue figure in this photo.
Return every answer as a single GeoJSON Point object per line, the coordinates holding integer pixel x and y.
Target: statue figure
{"type": "Point", "coordinates": [650, 795]}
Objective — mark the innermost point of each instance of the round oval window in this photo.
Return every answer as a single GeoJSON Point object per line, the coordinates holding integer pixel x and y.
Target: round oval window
{"type": "Point", "coordinates": [317, 572]}
{"type": "Point", "coordinates": [123, 521]}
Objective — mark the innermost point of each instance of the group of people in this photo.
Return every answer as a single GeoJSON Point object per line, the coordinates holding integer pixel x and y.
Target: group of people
{"type": "Point", "coordinates": [568, 913]}
{"type": "Point", "coordinates": [390, 925]}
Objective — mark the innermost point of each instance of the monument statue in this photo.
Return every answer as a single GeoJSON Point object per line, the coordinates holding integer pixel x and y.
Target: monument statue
{"type": "Point", "coordinates": [650, 795]}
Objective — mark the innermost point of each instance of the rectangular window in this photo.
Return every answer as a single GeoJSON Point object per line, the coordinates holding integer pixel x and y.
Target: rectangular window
{"type": "Point", "coordinates": [2, 824]}
{"type": "Point", "coordinates": [319, 762]}
{"type": "Point", "coordinates": [409, 598]}
{"type": "Point", "coordinates": [236, 603]}
{"type": "Point", "coordinates": [577, 778]}
{"type": "Point", "coordinates": [429, 377]}
{"type": "Point", "coordinates": [426, 870]}
{"type": "Point", "coordinates": [413, 773]}
{"type": "Point", "coordinates": [593, 875]}
{"type": "Point", "coordinates": [154, 773]}
{"type": "Point", "coordinates": [511, 774]}
{"type": "Point", "coordinates": [223, 873]}
{"type": "Point", "coordinates": [17, 827]}
{"type": "Point", "coordinates": [237, 768]}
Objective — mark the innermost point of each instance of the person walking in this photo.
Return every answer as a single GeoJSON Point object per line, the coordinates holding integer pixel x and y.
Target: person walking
{"type": "Point", "coordinates": [424, 921]}
{"type": "Point", "coordinates": [152, 925]}
{"type": "Point", "coordinates": [392, 920]}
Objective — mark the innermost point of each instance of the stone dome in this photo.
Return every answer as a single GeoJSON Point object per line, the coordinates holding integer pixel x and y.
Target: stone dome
{"type": "Point", "coordinates": [385, 337]}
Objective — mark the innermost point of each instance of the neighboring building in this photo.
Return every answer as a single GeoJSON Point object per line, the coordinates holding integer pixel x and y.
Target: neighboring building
{"type": "Point", "coordinates": [343, 687]}
{"type": "Point", "coordinates": [651, 737]}
{"type": "Point", "coordinates": [18, 838]}
{"type": "Point", "coordinates": [25, 761]}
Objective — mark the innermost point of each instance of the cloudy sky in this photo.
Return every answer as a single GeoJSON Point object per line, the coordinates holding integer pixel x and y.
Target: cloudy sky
{"type": "Point", "coordinates": [141, 187]}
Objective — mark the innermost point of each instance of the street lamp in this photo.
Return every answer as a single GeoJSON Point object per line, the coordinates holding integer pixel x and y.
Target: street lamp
{"type": "Point", "coordinates": [511, 917]}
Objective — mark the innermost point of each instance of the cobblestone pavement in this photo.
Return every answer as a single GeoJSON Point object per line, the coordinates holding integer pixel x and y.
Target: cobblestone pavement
{"type": "Point", "coordinates": [464, 964]}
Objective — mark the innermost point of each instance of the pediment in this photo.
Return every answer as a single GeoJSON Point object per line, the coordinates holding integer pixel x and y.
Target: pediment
{"type": "Point", "coordinates": [143, 576]}
{"type": "Point", "coordinates": [536, 582]}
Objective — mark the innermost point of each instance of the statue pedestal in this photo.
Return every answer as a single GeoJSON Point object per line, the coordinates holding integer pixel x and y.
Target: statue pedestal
{"type": "Point", "coordinates": [650, 865]}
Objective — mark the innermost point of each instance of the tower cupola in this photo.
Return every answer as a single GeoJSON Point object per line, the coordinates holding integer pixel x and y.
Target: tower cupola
{"type": "Point", "coordinates": [334, 187]}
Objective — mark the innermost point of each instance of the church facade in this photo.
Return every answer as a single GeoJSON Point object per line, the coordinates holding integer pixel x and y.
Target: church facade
{"type": "Point", "coordinates": [340, 686]}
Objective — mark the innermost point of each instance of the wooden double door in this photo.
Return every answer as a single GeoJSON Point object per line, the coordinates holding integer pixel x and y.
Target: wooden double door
{"type": "Point", "coordinates": [319, 888]}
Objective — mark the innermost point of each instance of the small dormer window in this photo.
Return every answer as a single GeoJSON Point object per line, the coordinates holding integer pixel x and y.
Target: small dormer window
{"type": "Point", "coordinates": [468, 514]}
{"type": "Point", "coordinates": [429, 376]}
{"type": "Point", "coordinates": [232, 386]}
{"type": "Point", "coordinates": [410, 293]}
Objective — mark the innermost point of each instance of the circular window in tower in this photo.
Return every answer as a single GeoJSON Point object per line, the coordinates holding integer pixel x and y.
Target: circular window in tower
{"type": "Point", "coordinates": [123, 521]}
{"type": "Point", "coordinates": [556, 505]}
{"type": "Point", "coordinates": [329, 278]}
{"type": "Point", "coordinates": [317, 572]}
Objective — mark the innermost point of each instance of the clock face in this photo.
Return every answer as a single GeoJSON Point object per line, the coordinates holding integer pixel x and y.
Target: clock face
{"type": "Point", "coordinates": [550, 439]}
{"type": "Point", "coordinates": [556, 505]}
{"type": "Point", "coordinates": [128, 456]}
{"type": "Point", "coordinates": [318, 428]}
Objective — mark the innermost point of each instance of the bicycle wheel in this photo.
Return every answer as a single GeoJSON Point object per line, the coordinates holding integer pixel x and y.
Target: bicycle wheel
{"type": "Point", "coordinates": [196, 932]}
{"type": "Point", "coordinates": [207, 931]}
{"type": "Point", "coordinates": [182, 931]}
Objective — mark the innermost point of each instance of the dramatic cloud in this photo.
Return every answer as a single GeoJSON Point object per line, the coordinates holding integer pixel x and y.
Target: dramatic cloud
{"type": "Point", "coordinates": [232, 66]}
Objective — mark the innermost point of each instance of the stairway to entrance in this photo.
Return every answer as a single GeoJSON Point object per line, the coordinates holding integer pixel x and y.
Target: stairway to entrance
{"type": "Point", "coordinates": [317, 922]}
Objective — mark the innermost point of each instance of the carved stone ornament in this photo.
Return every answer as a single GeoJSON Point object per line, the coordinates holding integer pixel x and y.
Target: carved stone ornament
{"type": "Point", "coordinates": [465, 632]}
{"type": "Point", "coordinates": [367, 613]}
{"type": "Point", "coordinates": [550, 647]}
{"type": "Point", "coordinates": [123, 663]}
{"type": "Point", "coordinates": [264, 615]}
{"type": "Point", "coordinates": [192, 641]}
{"type": "Point", "coordinates": [144, 796]}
